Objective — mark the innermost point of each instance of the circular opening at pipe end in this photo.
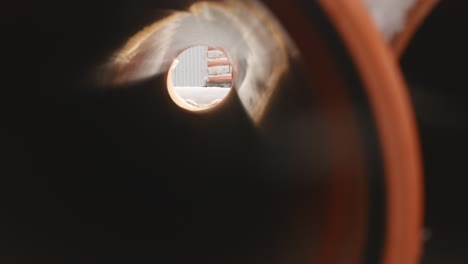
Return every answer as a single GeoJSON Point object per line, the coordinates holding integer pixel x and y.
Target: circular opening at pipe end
{"type": "Point", "coordinates": [200, 78]}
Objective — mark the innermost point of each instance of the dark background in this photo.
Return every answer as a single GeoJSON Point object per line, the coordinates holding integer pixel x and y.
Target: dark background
{"type": "Point", "coordinates": [122, 175]}
{"type": "Point", "coordinates": [77, 182]}
{"type": "Point", "coordinates": [436, 65]}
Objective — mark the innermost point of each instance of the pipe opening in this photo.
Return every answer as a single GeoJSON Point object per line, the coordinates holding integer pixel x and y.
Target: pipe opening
{"type": "Point", "coordinates": [257, 46]}
{"type": "Point", "coordinates": [200, 78]}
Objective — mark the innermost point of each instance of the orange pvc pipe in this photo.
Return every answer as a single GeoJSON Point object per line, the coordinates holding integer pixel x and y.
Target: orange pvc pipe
{"type": "Point", "coordinates": [396, 124]}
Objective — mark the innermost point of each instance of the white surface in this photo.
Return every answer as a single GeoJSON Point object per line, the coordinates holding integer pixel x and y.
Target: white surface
{"type": "Point", "coordinates": [215, 70]}
{"type": "Point", "coordinates": [191, 69]}
{"type": "Point", "coordinates": [389, 15]}
{"type": "Point", "coordinates": [202, 95]}
{"type": "Point", "coordinates": [215, 54]}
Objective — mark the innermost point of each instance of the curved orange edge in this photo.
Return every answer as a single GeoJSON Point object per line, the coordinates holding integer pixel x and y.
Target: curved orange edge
{"type": "Point", "coordinates": [396, 124]}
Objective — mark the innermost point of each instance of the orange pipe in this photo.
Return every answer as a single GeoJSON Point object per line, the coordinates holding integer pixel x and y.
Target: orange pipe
{"type": "Point", "coordinates": [396, 124]}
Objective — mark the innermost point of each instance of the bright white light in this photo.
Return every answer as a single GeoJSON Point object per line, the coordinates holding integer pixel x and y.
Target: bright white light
{"type": "Point", "coordinates": [200, 78]}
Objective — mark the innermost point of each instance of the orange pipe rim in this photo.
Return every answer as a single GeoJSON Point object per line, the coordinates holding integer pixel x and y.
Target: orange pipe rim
{"type": "Point", "coordinates": [396, 125]}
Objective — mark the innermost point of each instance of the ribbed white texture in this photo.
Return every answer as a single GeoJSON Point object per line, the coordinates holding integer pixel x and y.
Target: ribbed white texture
{"type": "Point", "coordinates": [390, 15]}
{"type": "Point", "coordinates": [191, 69]}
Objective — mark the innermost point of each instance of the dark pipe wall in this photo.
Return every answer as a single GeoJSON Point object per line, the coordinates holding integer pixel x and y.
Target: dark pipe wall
{"type": "Point", "coordinates": [84, 179]}
{"type": "Point", "coordinates": [123, 175]}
